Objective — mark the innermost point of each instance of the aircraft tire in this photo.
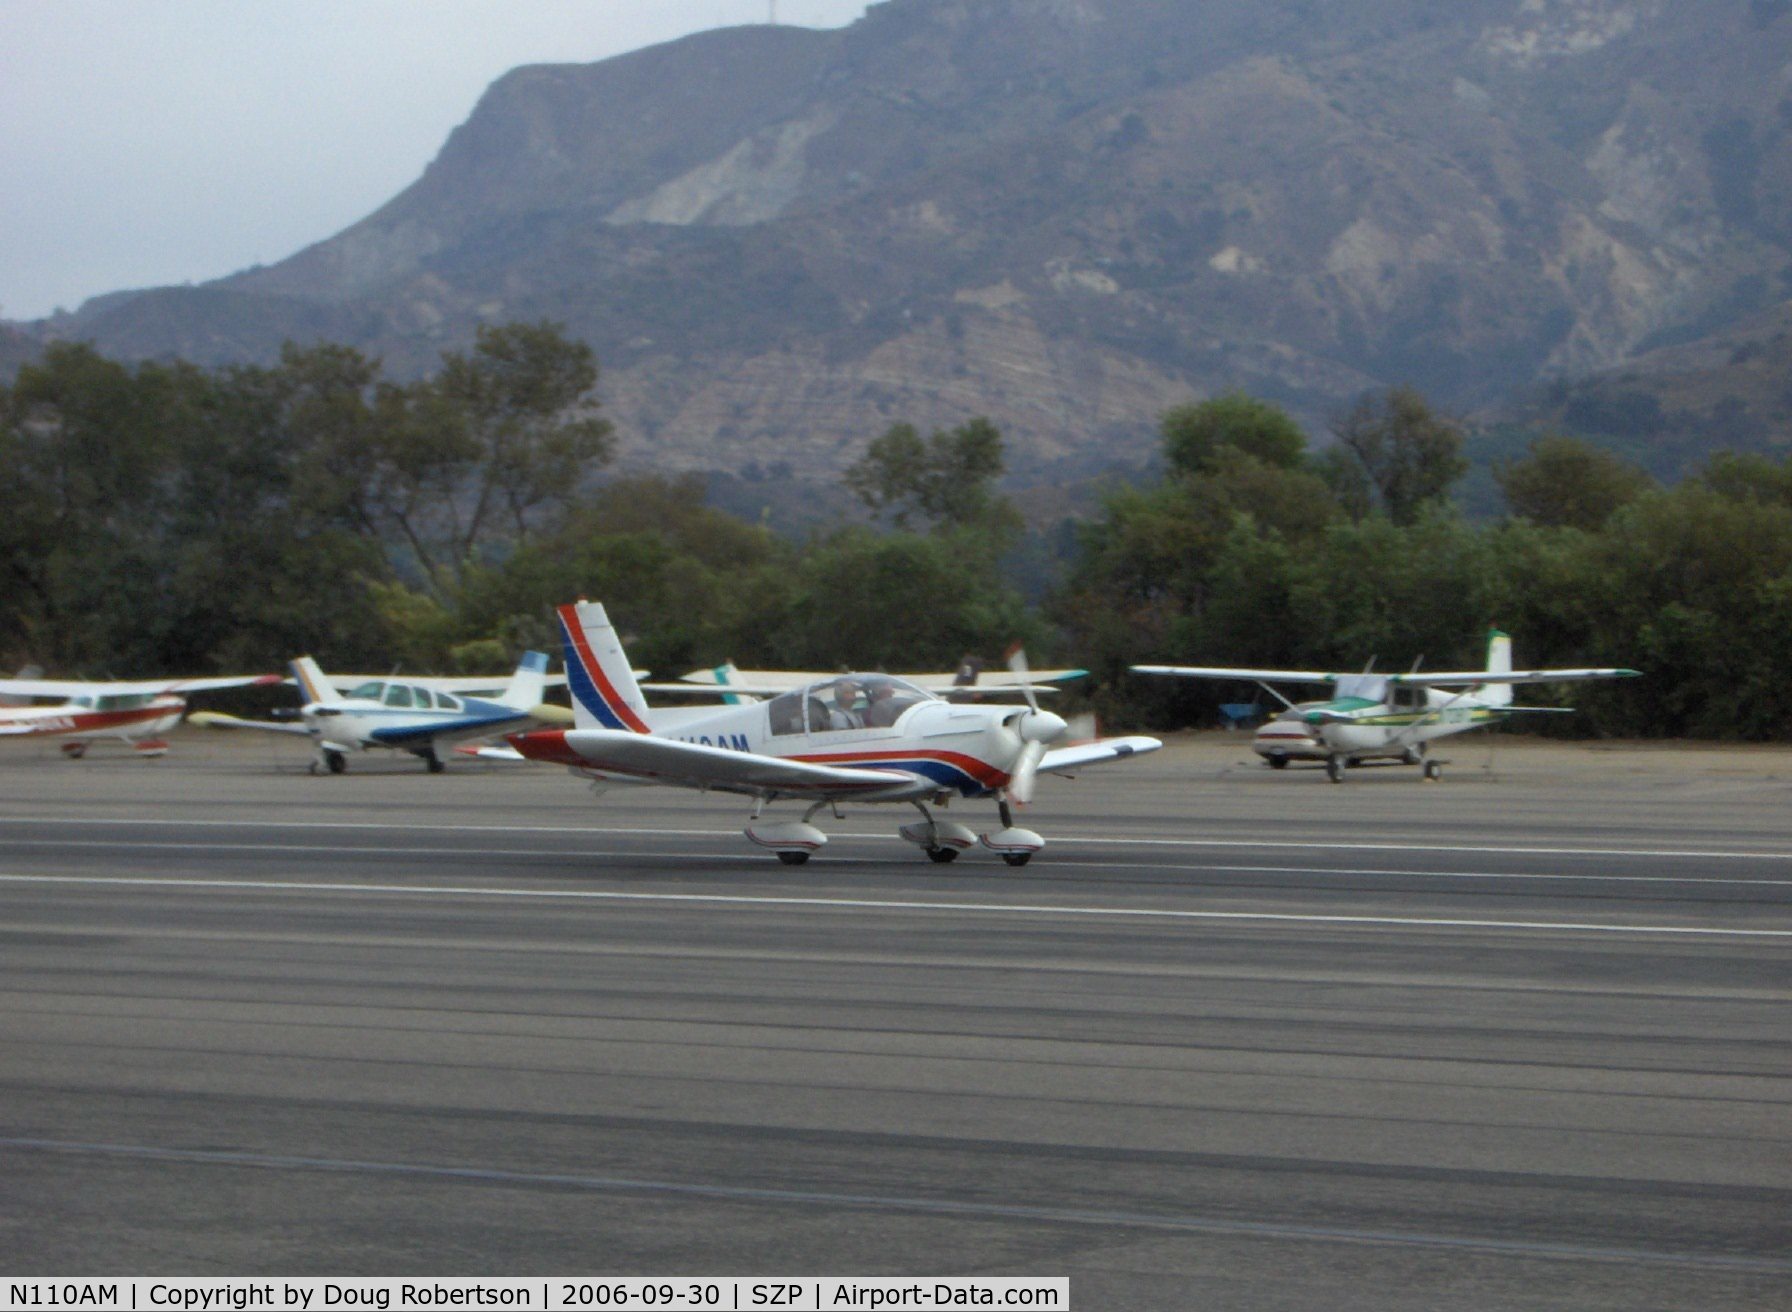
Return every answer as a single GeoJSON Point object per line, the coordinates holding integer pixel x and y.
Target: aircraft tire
{"type": "Point", "coordinates": [1017, 858]}
{"type": "Point", "coordinates": [942, 856]}
{"type": "Point", "coordinates": [335, 762]}
{"type": "Point", "coordinates": [74, 751]}
{"type": "Point", "coordinates": [1334, 769]}
{"type": "Point", "coordinates": [1434, 770]}
{"type": "Point", "coordinates": [435, 763]}
{"type": "Point", "coordinates": [793, 858]}
{"type": "Point", "coordinates": [1277, 760]}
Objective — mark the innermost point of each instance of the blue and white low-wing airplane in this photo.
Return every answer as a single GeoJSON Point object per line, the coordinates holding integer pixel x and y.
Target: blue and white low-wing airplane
{"type": "Point", "coordinates": [1388, 715]}
{"type": "Point", "coordinates": [844, 738]}
{"type": "Point", "coordinates": [418, 715]}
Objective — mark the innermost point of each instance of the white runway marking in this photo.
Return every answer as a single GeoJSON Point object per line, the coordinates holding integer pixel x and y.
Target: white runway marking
{"type": "Point", "coordinates": [834, 858]}
{"type": "Point", "coordinates": [1185, 1223]}
{"type": "Point", "coordinates": [899, 905]}
{"type": "Point", "coordinates": [598, 831]}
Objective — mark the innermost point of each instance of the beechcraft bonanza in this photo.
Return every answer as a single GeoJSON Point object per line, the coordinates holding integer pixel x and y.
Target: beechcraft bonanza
{"type": "Point", "coordinates": [138, 713]}
{"type": "Point", "coordinates": [419, 715]}
{"type": "Point", "coordinates": [850, 737]}
{"type": "Point", "coordinates": [1387, 715]}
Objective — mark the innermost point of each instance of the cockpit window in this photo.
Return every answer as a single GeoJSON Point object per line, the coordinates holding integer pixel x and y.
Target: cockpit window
{"type": "Point", "coordinates": [122, 701]}
{"type": "Point", "coordinates": [785, 713]}
{"type": "Point", "coordinates": [447, 701]}
{"type": "Point", "coordinates": [1370, 687]}
{"type": "Point", "coordinates": [851, 701]}
{"type": "Point", "coordinates": [398, 695]}
{"type": "Point", "coordinates": [371, 692]}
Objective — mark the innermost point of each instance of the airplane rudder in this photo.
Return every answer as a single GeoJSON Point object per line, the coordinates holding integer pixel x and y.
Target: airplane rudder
{"type": "Point", "coordinates": [313, 685]}
{"type": "Point", "coordinates": [604, 692]}
{"type": "Point", "coordinates": [528, 685]}
{"type": "Point", "coordinates": [1499, 661]}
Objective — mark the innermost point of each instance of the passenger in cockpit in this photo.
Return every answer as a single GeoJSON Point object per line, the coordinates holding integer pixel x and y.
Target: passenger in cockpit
{"type": "Point", "coordinates": [883, 709]}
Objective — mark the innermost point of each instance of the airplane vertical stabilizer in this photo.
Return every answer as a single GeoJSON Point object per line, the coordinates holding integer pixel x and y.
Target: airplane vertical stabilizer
{"type": "Point", "coordinates": [314, 688]}
{"type": "Point", "coordinates": [529, 684]}
{"type": "Point", "coordinates": [1499, 661]}
{"type": "Point", "coordinates": [604, 692]}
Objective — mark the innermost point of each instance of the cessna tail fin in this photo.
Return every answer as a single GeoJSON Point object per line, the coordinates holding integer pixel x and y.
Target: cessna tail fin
{"type": "Point", "coordinates": [313, 686]}
{"type": "Point", "coordinates": [1499, 661]}
{"type": "Point", "coordinates": [604, 692]}
{"type": "Point", "coordinates": [528, 684]}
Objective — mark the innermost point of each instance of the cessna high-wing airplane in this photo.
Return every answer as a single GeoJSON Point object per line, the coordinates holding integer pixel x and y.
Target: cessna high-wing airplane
{"type": "Point", "coordinates": [851, 737]}
{"type": "Point", "coordinates": [419, 715]}
{"type": "Point", "coordinates": [1382, 715]}
{"type": "Point", "coordinates": [137, 712]}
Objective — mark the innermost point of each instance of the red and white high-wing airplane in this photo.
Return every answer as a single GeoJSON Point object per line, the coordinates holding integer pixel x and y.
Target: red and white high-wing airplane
{"type": "Point", "coordinates": [847, 738]}
{"type": "Point", "coordinates": [137, 712]}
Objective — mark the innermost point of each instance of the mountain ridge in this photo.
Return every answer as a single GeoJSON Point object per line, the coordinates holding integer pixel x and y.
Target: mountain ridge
{"type": "Point", "coordinates": [1068, 215]}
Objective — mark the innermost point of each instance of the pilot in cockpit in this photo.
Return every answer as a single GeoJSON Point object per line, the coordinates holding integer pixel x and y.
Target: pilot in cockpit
{"type": "Point", "coordinates": [843, 713]}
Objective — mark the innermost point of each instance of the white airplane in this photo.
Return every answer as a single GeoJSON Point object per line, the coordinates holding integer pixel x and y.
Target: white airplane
{"type": "Point", "coordinates": [137, 712]}
{"type": "Point", "coordinates": [851, 737]}
{"type": "Point", "coordinates": [419, 715]}
{"type": "Point", "coordinates": [1388, 715]}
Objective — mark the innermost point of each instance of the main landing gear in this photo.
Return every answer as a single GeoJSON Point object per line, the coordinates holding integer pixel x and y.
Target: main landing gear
{"type": "Point", "coordinates": [328, 760]}
{"type": "Point", "coordinates": [795, 841]}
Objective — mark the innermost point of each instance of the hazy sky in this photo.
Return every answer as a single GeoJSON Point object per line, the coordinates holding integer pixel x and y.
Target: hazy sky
{"type": "Point", "coordinates": [145, 142]}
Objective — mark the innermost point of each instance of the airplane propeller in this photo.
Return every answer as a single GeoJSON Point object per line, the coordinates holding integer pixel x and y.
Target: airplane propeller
{"type": "Point", "coordinates": [1037, 730]}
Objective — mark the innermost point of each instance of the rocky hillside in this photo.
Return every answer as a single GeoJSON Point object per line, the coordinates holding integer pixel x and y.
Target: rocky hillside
{"type": "Point", "coordinates": [1068, 214]}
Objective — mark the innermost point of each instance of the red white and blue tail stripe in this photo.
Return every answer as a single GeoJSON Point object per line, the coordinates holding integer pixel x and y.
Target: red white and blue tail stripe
{"type": "Point", "coordinates": [604, 692]}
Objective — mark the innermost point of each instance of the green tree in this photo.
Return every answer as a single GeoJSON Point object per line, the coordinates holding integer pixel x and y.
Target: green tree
{"type": "Point", "coordinates": [525, 397]}
{"type": "Point", "coordinates": [1194, 435]}
{"type": "Point", "coordinates": [1566, 482]}
{"type": "Point", "coordinates": [946, 480]}
{"type": "Point", "coordinates": [1404, 452]}
{"type": "Point", "coordinates": [868, 600]}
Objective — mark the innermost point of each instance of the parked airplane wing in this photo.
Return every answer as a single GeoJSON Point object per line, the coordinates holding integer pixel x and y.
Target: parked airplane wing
{"type": "Point", "coordinates": [470, 726]}
{"type": "Point", "coordinates": [1228, 672]}
{"type": "Point", "coordinates": [457, 683]}
{"type": "Point", "coordinates": [1516, 676]}
{"type": "Point", "coordinates": [1096, 753]}
{"type": "Point", "coordinates": [217, 720]}
{"type": "Point", "coordinates": [696, 765]}
{"type": "Point", "coordinates": [127, 687]}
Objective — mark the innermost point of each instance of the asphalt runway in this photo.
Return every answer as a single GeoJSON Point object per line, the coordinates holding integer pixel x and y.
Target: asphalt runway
{"type": "Point", "coordinates": [1236, 1039]}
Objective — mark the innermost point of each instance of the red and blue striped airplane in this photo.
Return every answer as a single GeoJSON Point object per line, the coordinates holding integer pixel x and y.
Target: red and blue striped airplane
{"type": "Point", "coordinates": [846, 738]}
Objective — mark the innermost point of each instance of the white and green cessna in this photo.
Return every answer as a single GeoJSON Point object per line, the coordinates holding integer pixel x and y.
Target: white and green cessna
{"type": "Point", "coordinates": [1387, 715]}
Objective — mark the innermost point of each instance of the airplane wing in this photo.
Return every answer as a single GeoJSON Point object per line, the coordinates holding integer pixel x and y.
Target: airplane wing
{"type": "Point", "coordinates": [1229, 672]}
{"type": "Point", "coordinates": [458, 683]}
{"type": "Point", "coordinates": [216, 720]}
{"type": "Point", "coordinates": [471, 726]}
{"type": "Point", "coordinates": [939, 686]}
{"type": "Point", "coordinates": [693, 765]}
{"type": "Point", "coordinates": [1098, 752]}
{"type": "Point", "coordinates": [127, 688]}
{"type": "Point", "coordinates": [1516, 676]}
{"type": "Point", "coordinates": [769, 683]}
